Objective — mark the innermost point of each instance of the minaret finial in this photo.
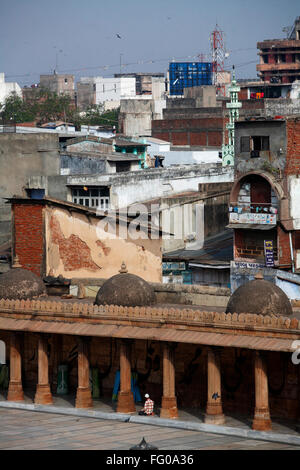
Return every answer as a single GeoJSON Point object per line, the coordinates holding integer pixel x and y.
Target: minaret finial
{"type": "Point", "coordinates": [123, 269]}
{"type": "Point", "coordinates": [16, 263]}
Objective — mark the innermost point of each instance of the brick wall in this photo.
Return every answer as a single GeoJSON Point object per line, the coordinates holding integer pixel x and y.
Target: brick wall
{"type": "Point", "coordinates": [194, 132]}
{"type": "Point", "coordinates": [28, 236]}
{"type": "Point", "coordinates": [198, 138]}
{"type": "Point", "coordinates": [180, 138]}
{"type": "Point", "coordinates": [249, 244]}
{"type": "Point", "coordinates": [293, 147]}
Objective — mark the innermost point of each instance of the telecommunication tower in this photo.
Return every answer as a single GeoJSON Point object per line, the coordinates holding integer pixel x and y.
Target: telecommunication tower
{"type": "Point", "coordinates": [218, 56]}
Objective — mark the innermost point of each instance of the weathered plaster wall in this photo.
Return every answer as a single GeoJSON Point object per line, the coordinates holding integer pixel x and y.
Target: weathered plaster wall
{"type": "Point", "coordinates": [182, 294]}
{"type": "Point", "coordinates": [270, 160]}
{"type": "Point", "coordinates": [139, 186]}
{"type": "Point", "coordinates": [72, 164]}
{"type": "Point", "coordinates": [21, 156]}
{"type": "Point", "coordinates": [77, 246]}
{"type": "Point", "coordinates": [294, 193]}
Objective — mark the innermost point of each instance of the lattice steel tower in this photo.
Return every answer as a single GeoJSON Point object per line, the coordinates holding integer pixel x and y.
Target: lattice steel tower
{"type": "Point", "coordinates": [217, 40]}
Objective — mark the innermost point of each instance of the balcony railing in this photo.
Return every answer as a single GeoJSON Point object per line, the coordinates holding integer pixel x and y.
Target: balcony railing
{"type": "Point", "coordinates": [258, 213]}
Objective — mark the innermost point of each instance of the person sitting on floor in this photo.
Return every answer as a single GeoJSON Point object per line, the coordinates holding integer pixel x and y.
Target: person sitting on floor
{"type": "Point", "coordinates": [148, 407]}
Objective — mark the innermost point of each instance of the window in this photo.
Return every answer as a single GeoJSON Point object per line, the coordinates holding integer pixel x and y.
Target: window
{"type": "Point", "coordinates": [91, 197]}
{"type": "Point", "coordinates": [245, 144]}
{"type": "Point", "coordinates": [260, 143]}
{"type": "Point", "coordinates": [66, 80]}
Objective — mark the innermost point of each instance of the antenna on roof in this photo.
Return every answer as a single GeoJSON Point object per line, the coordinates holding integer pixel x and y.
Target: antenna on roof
{"type": "Point", "coordinates": [287, 30]}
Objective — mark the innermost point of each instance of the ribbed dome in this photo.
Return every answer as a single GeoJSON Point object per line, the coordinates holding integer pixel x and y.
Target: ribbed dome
{"type": "Point", "coordinates": [125, 289]}
{"type": "Point", "coordinates": [260, 297]}
{"type": "Point", "coordinates": [19, 283]}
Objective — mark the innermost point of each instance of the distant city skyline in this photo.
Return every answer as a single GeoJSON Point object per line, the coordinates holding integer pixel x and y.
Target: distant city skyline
{"type": "Point", "coordinates": [101, 38]}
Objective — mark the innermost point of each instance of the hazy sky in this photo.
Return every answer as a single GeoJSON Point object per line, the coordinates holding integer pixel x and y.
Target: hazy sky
{"type": "Point", "coordinates": [82, 34]}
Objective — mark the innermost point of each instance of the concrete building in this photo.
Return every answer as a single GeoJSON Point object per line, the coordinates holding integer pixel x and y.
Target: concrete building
{"type": "Point", "coordinates": [59, 83]}
{"type": "Point", "coordinates": [85, 95]}
{"type": "Point", "coordinates": [21, 157]}
{"type": "Point", "coordinates": [136, 115]}
{"type": "Point", "coordinates": [280, 58]}
{"type": "Point", "coordinates": [6, 88]}
{"type": "Point", "coordinates": [265, 197]}
{"type": "Point", "coordinates": [126, 189]}
{"type": "Point", "coordinates": [104, 91]}
{"type": "Point", "coordinates": [144, 81]}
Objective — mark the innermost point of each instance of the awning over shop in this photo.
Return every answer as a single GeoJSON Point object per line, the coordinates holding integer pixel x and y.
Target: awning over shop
{"type": "Point", "coordinates": [252, 226]}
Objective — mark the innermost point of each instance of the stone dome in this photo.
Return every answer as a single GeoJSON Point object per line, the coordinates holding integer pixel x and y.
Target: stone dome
{"type": "Point", "coordinates": [260, 297]}
{"type": "Point", "coordinates": [125, 289]}
{"type": "Point", "coordinates": [19, 283]}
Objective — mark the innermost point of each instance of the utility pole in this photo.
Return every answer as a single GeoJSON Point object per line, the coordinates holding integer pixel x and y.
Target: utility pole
{"type": "Point", "coordinates": [121, 63]}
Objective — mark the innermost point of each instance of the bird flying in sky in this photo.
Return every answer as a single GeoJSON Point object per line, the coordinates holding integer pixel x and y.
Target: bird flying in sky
{"type": "Point", "coordinates": [118, 36]}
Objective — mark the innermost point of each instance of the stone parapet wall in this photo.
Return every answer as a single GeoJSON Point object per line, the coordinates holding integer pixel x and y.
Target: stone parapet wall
{"type": "Point", "coordinates": [209, 296]}
{"type": "Point", "coordinates": [62, 311]}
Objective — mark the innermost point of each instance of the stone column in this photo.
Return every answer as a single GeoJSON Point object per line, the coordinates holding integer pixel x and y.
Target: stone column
{"type": "Point", "coordinates": [214, 412]}
{"type": "Point", "coordinates": [84, 395]}
{"type": "Point", "coordinates": [43, 394]}
{"type": "Point", "coordinates": [15, 389]}
{"type": "Point", "coordinates": [262, 421]}
{"type": "Point", "coordinates": [125, 397]}
{"type": "Point", "coordinates": [169, 402]}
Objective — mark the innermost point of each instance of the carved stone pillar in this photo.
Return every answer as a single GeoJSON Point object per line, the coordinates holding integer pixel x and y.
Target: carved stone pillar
{"type": "Point", "coordinates": [84, 395]}
{"type": "Point", "coordinates": [214, 411]}
{"type": "Point", "coordinates": [43, 394]}
{"type": "Point", "coordinates": [262, 421]}
{"type": "Point", "coordinates": [169, 402]}
{"type": "Point", "coordinates": [15, 389]}
{"type": "Point", "coordinates": [125, 396]}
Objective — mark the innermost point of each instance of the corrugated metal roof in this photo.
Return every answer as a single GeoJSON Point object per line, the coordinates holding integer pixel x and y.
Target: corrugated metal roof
{"type": "Point", "coordinates": [217, 250]}
{"type": "Point", "coordinates": [155, 334]}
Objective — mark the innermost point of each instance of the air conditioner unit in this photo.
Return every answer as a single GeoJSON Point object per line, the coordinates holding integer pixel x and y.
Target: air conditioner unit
{"type": "Point", "coordinates": [254, 153]}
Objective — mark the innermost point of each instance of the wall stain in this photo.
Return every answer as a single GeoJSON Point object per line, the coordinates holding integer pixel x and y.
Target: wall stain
{"type": "Point", "coordinates": [74, 252]}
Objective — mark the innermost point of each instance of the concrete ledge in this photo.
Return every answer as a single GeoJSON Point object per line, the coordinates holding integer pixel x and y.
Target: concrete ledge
{"type": "Point", "coordinates": [156, 421]}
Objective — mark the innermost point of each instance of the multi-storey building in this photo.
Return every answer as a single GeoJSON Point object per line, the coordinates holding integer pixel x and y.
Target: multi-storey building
{"type": "Point", "coordinates": [59, 83]}
{"type": "Point", "coordinates": [280, 58]}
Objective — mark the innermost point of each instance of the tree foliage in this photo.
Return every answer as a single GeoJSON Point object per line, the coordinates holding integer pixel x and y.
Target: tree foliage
{"type": "Point", "coordinates": [46, 106]}
{"type": "Point", "coordinates": [14, 109]}
{"type": "Point", "coordinates": [95, 116]}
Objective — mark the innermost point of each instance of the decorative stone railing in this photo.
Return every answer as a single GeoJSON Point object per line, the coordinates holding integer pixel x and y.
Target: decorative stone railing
{"type": "Point", "coordinates": [146, 314]}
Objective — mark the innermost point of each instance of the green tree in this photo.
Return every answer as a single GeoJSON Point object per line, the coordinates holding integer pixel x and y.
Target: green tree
{"type": "Point", "coordinates": [95, 116]}
{"type": "Point", "coordinates": [16, 110]}
{"type": "Point", "coordinates": [54, 107]}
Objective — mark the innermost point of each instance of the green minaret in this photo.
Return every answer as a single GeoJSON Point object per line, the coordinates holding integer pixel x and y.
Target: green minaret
{"type": "Point", "coordinates": [233, 106]}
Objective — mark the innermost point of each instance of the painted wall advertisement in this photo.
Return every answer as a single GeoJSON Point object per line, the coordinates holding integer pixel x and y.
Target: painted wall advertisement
{"type": "Point", "coordinates": [252, 218]}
